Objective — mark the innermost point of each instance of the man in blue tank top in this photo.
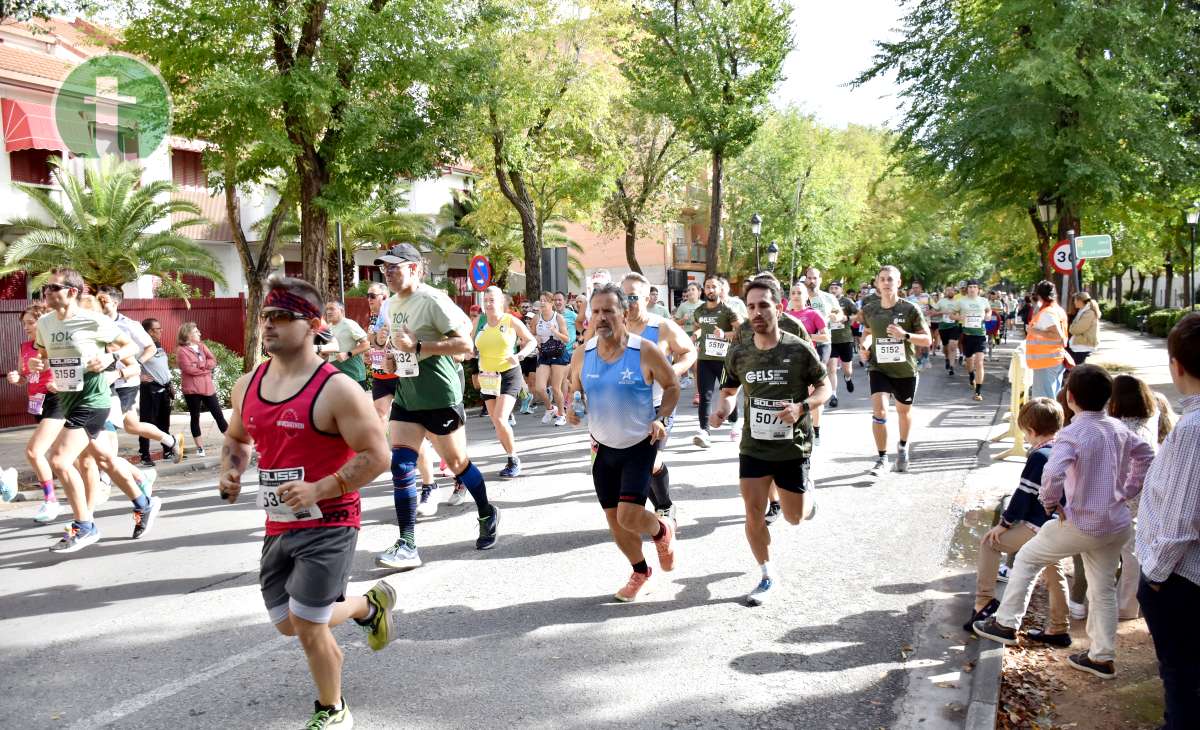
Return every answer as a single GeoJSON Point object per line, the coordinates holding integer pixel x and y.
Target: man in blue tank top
{"type": "Point", "coordinates": [617, 372]}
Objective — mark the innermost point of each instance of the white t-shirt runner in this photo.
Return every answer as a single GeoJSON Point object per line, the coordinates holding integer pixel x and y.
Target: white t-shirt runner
{"type": "Point", "coordinates": [69, 345]}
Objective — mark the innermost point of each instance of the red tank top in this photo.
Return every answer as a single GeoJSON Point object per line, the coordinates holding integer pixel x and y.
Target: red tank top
{"type": "Point", "coordinates": [290, 448]}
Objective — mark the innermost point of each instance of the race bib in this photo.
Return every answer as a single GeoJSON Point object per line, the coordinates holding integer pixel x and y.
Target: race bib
{"type": "Point", "coordinates": [715, 346]}
{"type": "Point", "coordinates": [35, 404]}
{"type": "Point", "coordinates": [377, 357]}
{"type": "Point", "coordinates": [489, 383]}
{"type": "Point", "coordinates": [68, 373]}
{"type": "Point", "coordinates": [973, 321]}
{"type": "Point", "coordinates": [765, 424]}
{"type": "Point", "coordinates": [268, 498]}
{"type": "Point", "coordinates": [889, 350]}
{"type": "Point", "coordinates": [836, 326]}
{"type": "Point", "coordinates": [406, 364]}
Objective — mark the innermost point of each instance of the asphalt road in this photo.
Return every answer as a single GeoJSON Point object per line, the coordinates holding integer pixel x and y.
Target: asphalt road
{"type": "Point", "coordinates": [169, 631]}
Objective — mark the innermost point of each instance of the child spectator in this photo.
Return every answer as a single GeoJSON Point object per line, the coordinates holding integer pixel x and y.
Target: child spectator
{"type": "Point", "coordinates": [1097, 464]}
{"type": "Point", "coordinates": [1168, 539]}
{"type": "Point", "coordinates": [1040, 419]}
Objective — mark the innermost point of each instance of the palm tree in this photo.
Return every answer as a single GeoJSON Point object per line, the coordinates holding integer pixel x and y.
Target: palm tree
{"type": "Point", "coordinates": [457, 232]}
{"type": "Point", "coordinates": [104, 229]}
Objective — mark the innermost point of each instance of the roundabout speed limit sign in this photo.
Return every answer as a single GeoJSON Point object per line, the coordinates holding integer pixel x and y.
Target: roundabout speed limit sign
{"type": "Point", "coordinates": [1060, 258]}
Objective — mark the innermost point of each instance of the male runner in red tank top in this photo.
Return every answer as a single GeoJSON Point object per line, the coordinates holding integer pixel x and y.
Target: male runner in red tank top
{"type": "Point", "coordinates": [318, 442]}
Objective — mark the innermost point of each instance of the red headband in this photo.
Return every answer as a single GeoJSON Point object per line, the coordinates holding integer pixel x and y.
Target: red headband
{"type": "Point", "coordinates": [287, 301]}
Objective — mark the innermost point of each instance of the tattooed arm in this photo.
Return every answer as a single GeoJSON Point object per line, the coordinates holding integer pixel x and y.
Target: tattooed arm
{"type": "Point", "coordinates": [235, 453]}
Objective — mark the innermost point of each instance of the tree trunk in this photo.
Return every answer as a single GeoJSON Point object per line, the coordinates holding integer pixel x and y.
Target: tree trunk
{"type": "Point", "coordinates": [631, 245]}
{"type": "Point", "coordinates": [1043, 237]}
{"type": "Point", "coordinates": [1168, 295]}
{"type": "Point", "coordinates": [1154, 289]}
{"type": "Point", "coordinates": [1141, 287]}
{"type": "Point", "coordinates": [714, 214]}
{"type": "Point", "coordinates": [314, 231]}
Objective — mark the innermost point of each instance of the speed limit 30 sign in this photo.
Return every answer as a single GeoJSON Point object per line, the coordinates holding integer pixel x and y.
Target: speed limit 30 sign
{"type": "Point", "coordinates": [1060, 258]}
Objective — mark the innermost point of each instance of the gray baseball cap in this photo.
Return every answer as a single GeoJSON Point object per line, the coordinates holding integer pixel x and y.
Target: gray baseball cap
{"type": "Point", "coordinates": [401, 253]}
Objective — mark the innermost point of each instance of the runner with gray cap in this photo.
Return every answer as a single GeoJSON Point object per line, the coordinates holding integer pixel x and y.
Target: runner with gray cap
{"type": "Point", "coordinates": [426, 332]}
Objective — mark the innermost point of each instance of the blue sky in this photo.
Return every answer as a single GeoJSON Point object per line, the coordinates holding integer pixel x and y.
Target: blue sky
{"type": "Point", "coordinates": [834, 42]}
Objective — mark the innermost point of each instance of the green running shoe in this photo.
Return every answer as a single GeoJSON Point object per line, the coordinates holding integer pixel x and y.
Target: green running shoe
{"type": "Point", "coordinates": [379, 631]}
{"type": "Point", "coordinates": [325, 717]}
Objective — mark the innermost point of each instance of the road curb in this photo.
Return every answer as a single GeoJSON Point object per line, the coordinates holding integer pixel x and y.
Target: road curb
{"type": "Point", "coordinates": [985, 689]}
{"type": "Point", "coordinates": [166, 468]}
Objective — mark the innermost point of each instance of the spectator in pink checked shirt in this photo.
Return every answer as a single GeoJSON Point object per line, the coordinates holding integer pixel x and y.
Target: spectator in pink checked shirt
{"type": "Point", "coordinates": [1098, 464]}
{"type": "Point", "coordinates": [1168, 539]}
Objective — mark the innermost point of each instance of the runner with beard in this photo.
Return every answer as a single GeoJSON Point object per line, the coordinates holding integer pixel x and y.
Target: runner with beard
{"type": "Point", "coordinates": [841, 336]}
{"type": "Point", "coordinates": [782, 380]}
{"type": "Point", "coordinates": [714, 325]}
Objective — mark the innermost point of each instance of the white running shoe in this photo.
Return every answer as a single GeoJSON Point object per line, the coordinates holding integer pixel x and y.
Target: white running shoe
{"type": "Point", "coordinates": [881, 466]}
{"type": "Point", "coordinates": [400, 556]}
{"type": "Point", "coordinates": [548, 416]}
{"type": "Point", "coordinates": [8, 484]}
{"type": "Point", "coordinates": [701, 439]}
{"type": "Point", "coordinates": [428, 505]}
{"type": "Point", "coordinates": [48, 512]}
{"type": "Point", "coordinates": [1078, 611]}
{"type": "Point", "coordinates": [560, 421]}
{"type": "Point", "coordinates": [457, 496]}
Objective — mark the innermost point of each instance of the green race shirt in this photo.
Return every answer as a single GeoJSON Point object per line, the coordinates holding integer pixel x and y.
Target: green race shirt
{"type": "Point", "coordinates": [787, 323]}
{"type": "Point", "coordinates": [683, 312]}
{"type": "Point", "coordinates": [69, 345]}
{"type": "Point", "coordinates": [770, 379]}
{"type": "Point", "coordinates": [431, 316]}
{"type": "Point", "coordinates": [348, 333]}
{"type": "Point", "coordinates": [719, 317]}
{"type": "Point", "coordinates": [973, 311]}
{"type": "Point", "coordinates": [947, 307]}
{"type": "Point", "coordinates": [896, 358]}
{"type": "Point", "coordinates": [840, 332]}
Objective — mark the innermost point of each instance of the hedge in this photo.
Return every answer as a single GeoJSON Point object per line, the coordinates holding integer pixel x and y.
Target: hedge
{"type": "Point", "coordinates": [1161, 321]}
{"type": "Point", "coordinates": [1158, 321]}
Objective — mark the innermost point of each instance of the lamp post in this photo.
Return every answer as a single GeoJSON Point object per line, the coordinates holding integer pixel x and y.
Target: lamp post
{"type": "Point", "coordinates": [1193, 217]}
{"type": "Point", "coordinates": [772, 255]}
{"type": "Point", "coordinates": [1047, 213]}
{"type": "Point", "coordinates": [756, 229]}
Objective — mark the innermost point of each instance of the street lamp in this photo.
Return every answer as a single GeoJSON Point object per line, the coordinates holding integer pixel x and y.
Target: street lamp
{"type": "Point", "coordinates": [1047, 212]}
{"type": "Point", "coordinates": [1193, 217]}
{"type": "Point", "coordinates": [772, 255]}
{"type": "Point", "coordinates": [756, 229]}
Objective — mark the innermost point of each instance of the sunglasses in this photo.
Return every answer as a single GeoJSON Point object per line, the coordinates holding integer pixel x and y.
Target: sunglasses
{"type": "Point", "coordinates": [372, 295]}
{"type": "Point", "coordinates": [51, 288]}
{"type": "Point", "coordinates": [632, 297]}
{"type": "Point", "coordinates": [275, 316]}
{"type": "Point", "coordinates": [390, 268]}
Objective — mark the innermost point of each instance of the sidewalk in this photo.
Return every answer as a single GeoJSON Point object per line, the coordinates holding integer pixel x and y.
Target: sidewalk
{"type": "Point", "coordinates": [13, 441]}
{"type": "Point", "coordinates": [1144, 355]}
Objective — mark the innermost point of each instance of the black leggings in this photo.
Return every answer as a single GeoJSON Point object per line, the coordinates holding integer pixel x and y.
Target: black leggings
{"type": "Point", "coordinates": [196, 402]}
{"type": "Point", "coordinates": [708, 373]}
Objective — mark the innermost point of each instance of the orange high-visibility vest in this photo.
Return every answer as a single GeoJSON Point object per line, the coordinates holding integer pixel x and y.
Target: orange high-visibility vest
{"type": "Point", "coordinates": [1046, 348]}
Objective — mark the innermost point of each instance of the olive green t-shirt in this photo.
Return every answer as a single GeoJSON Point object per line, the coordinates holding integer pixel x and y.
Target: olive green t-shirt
{"type": "Point", "coordinates": [972, 311]}
{"type": "Point", "coordinates": [431, 316]}
{"type": "Point", "coordinates": [896, 358]}
{"type": "Point", "coordinates": [719, 317]}
{"type": "Point", "coordinates": [69, 345]}
{"type": "Point", "coordinates": [840, 332]}
{"type": "Point", "coordinates": [787, 323]}
{"type": "Point", "coordinates": [769, 380]}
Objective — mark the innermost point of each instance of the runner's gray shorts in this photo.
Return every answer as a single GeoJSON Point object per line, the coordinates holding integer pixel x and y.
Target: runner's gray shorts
{"type": "Point", "coordinates": [305, 571]}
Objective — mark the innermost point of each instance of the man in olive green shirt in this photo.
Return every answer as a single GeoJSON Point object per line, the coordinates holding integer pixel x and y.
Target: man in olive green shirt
{"type": "Point", "coordinates": [715, 326]}
{"type": "Point", "coordinates": [349, 343]}
{"type": "Point", "coordinates": [841, 348]}
{"type": "Point", "coordinates": [892, 330]}
{"type": "Point", "coordinates": [781, 380]}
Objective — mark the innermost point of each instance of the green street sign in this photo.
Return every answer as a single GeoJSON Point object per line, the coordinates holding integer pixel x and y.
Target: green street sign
{"type": "Point", "coordinates": [113, 105]}
{"type": "Point", "coordinates": [1093, 247]}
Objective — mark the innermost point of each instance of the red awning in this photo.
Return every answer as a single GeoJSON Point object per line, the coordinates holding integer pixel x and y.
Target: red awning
{"type": "Point", "coordinates": [29, 125]}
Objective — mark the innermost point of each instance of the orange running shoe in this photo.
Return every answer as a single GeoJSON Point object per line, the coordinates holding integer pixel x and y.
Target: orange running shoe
{"type": "Point", "coordinates": [666, 546]}
{"type": "Point", "coordinates": [637, 582]}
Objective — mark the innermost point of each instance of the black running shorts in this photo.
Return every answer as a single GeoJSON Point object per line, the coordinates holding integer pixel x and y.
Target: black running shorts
{"type": "Point", "coordinates": [437, 421]}
{"type": "Point", "coordinates": [790, 475]}
{"type": "Point", "coordinates": [623, 475]}
{"type": "Point", "coordinates": [903, 389]}
{"type": "Point", "coordinates": [128, 397]}
{"type": "Point", "coordinates": [843, 351]}
{"type": "Point", "coordinates": [89, 419]}
{"type": "Point", "coordinates": [974, 344]}
{"type": "Point", "coordinates": [384, 387]}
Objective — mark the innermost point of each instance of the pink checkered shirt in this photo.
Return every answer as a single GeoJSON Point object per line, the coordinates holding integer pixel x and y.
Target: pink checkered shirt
{"type": "Point", "coordinates": [1098, 463]}
{"type": "Point", "coordinates": [1168, 531]}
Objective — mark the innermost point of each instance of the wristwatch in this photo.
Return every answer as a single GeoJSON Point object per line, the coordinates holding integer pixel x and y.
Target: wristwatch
{"type": "Point", "coordinates": [664, 420]}
{"type": "Point", "coordinates": [417, 349]}
{"type": "Point", "coordinates": [908, 335]}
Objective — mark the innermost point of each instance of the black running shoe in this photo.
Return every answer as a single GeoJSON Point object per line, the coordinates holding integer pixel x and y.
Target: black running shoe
{"type": "Point", "coordinates": [772, 512]}
{"type": "Point", "coordinates": [849, 385]}
{"type": "Point", "coordinates": [1084, 663]}
{"type": "Point", "coordinates": [1059, 640]}
{"type": "Point", "coordinates": [833, 403]}
{"type": "Point", "coordinates": [143, 520]}
{"type": "Point", "coordinates": [488, 526]}
{"type": "Point", "coordinates": [992, 629]}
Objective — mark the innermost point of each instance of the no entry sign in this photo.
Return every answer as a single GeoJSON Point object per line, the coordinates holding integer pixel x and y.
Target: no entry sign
{"type": "Point", "coordinates": [480, 273]}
